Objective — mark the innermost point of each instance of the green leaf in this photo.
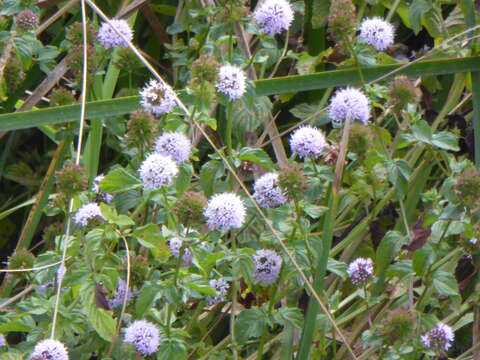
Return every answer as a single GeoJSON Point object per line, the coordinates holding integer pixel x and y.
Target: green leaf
{"type": "Point", "coordinates": [250, 323]}
{"type": "Point", "coordinates": [14, 325]}
{"type": "Point", "coordinates": [398, 174]}
{"type": "Point", "coordinates": [421, 260]}
{"type": "Point", "coordinates": [149, 236]}
{"type": "Point", "coordinates": [113, 218]}
{"type": "Point", "coordinates": [208, 176]}
{"type": "Point", "coordinates": [338, 268]}
{"type": "Point", "coordinates": [446, 140]}
{"type": "Point", "coordinates": [422, 132]}
{"type": "Point", "coordinates": [101, 320]}
{"type": "Point", "coordinates": [257, 156]}
{"type": "Point", "coordinates": [146, 298]}
{"type": "Point", "coordinates": [417, 9]}
{"type": "Point", "coordinates": [183, 178]}
{"type": "Point", "coordinates": [445, 283]}
{"type": "Point", "coordinates": [171, 349]}
{"type": "Point", "coordinates": [119, 180]}
{"type": "Point", "coordinates": [12, 354]}
{"type": "Point", "coordinates": [283, 85]}
{"type": "Point", "coordinates": [289, 315]}
{"type": "Point", "coordinates": [388, 248]}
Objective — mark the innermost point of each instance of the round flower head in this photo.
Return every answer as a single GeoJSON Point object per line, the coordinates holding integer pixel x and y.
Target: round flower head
{"type": "Point", "coordinates": [231, 81]}
{"type": "Point", "coordinates": [273, 16]}
{"type": "Point", "coordinates": [105, 197]}
{"type": "Point", "coordinates": [221, 286]}
{"type": "Point", "coordinates": [87, 213]}
{"type": "Point", "coordinates": [144, 335]}
{"type": "Point", "coordinates": [439, 338]}
{"type": "Point", "coordinates": [267, 266]}
{"type": "Point", "coordinates": [268, 192]}
{"type": "Point", "coordinates": [225, 211]}
{"type": "Point", "coordinates": [158, 98]}
{"type": "Point", "coordinates": [174, 245]}
{"type": "Point", "coordinates": [109, 38]}
{"type": "Point", "coordinates": [360, 270]}
{"type": "Point", "coordinates": [307, 141]}
{"type": "Point", "coordinates": [377, 32]}
{"type": "Point", "coordinates": [49, 349]}
{"type": "Point", "coordinates": [157, 171]}
{"type": "Point", "coordinates": [120, 294]}
{"type": "Point", "coordinates": [174, 144]}
{"type": "Point", "coordinates": [3, 341]}
{"type": "Point", "coordinates": [350, 103]}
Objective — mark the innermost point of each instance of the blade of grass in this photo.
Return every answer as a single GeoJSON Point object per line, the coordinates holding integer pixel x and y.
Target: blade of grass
{"type": "Point", "coordinates": [125, 105]}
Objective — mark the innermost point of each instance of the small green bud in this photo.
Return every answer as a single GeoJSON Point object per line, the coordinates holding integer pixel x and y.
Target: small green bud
{"type": "Point", "coordinates": [467, 187]}
{"type": "Point", "coordinates": [71, 179]}
{"type": "Point", "coordinates": [140, 129]}
{"type": "Point", "coordinates": [61, 97]}
{"type": "Point", "coordinates": [402, 91]}
{"type": "Point", "coordinates": [342, 23]}
{"type": "Point", "coordinates": [189, 208]}
{"type": "Point", "coordinates": [293, 181]}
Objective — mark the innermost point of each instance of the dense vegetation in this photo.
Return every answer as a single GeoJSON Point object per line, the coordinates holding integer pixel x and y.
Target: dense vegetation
{"type": "Point", "coordinates": [226, 179]}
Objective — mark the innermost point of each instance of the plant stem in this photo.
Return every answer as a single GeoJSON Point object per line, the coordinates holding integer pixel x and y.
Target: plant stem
{"type": "Point", "coordinates": [229, 129]}
{"type": "Point", "coordinates": [392, 10]}
{"type": "Point", "coordinates": [234, 300]}
{"type": "Point", "coordinates": [328, 226]}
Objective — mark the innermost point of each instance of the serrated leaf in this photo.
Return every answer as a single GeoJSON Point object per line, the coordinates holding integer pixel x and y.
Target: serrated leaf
{"type": "Point", "coordinates": [119, 180]}
{"type": "Point", "coordinates": [257, 156]}
{"type": "Point", "coordinates": [288, 315]}
{"type": "Point", "coordinates": [445, 283]}
{"type": "Point", "coordinates": [149, 236]}
{"type": "Point", "coordinates": [250, 323]}
{"type": "Point", "coordinates": [101, 320]}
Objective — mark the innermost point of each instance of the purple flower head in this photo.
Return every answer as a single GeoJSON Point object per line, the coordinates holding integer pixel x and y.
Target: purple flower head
{"type": "Point", "coordinates": [268, 192]}
{"type": "Point", "coordinates": [220, 285]}
{"type": "Point", "coordinates": [49, 350]}
{"type": "Point", "coordinates": [360, 270]}
{"type": "Point", "coordinates": [231, 81]}
{"type": "Point", "coordinates": [267, 266]}
{"type": "Point", "coordinates": [225, 211]}
{"type": "Point", "coordinates": [273, 16]}
{"type": "Point", "coordinates": [157, 171]}
{"type": "Point", "coordinates": [174, 144]}
{"type": "Point", "coordinates": [109, 38]}
{"type": "Point", "coordinates": [3, 341]}
{"type": "Point", "coordinates": [120, 295]}
{"type": "Point", "coordinates": [377, 32]}
{"type": "Point", "coordinates": [87, 213]}
{"type": "Point", "coordinates": [157, 97]}
{"type": "Point", "coordinates": [174, 245]}
{"type": "Point", "coordinates": [307, 141]}
{"type": "Point", "coordinates": [144, 335]}
{"type": "Point", "coordinates": [439, 338]}
{"type": "Point", "coordinates": [105, 197]}
{"type": "Point", "coordinates": [350, 103]}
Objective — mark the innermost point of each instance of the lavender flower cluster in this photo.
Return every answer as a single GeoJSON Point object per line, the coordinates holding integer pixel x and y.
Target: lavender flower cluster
{"type": "Point", "coordinates": [225, 211]}
{"type": "Point", "coordinates": [377, 32]}
{"type": "Point", "coordinates": [220, 285]}
{"type": "Point", "coordinates": [273, 16]}
{"type": "Point", "coordinates": [360, 270]}
{"type": "Point", "coordinates": [87, 213]}
{"type": "Point", "coordinates": [144, 335]}
{"type": "Point", "coordinates": [267, 191]}
{"type": "Point", "coordinates": [120, 295]}
{"type": "Point", "coordinates": [157, 171]}
{"type": "Point", "coordinates": [231, 81]}
{"type": "Point", "coordinates": [175, 245]}
{"type": "Point", "coordinates": [158, 98]}
{"type": "Point", "coordinates": [49, 349]}
{"type": "Point", "coordinates": [174, 144]}
{"type": "Point", "coordinates": [267, 266]}
{"type": "Point", "coordinates": [109, 38]}
{"type": "Point", "coordinates": [349, 103]}
{"type": "Point", "coordinates": [439, 338]}
{"type": "Point", "coordinates": [307, 141]}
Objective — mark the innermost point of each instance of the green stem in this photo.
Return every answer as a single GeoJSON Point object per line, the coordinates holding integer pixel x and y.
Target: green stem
{"type": "Point", "coordinates": [392, 10]}
{"type": "Point", "coordinates": [234, 300]}
{"type": "Point", "coordinates": [229, 129]}
{"type": "Point", "coordinates": [328, 226]}
{"type": "Point", "coordinates": [285, 48]}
